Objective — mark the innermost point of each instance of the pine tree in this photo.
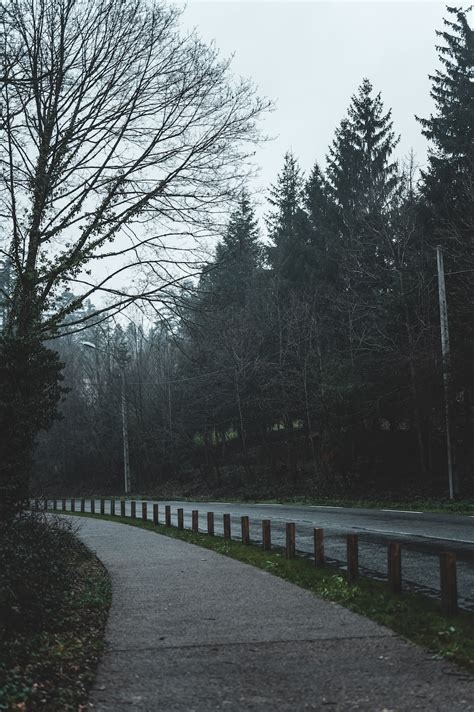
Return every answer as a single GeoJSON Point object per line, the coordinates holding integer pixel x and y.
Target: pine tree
{"type": "Point", "coordinates": [287, 222]}
{"type": "Point", "coordinates": [362, 180]}
{"type": "Point", "coordinates": [447, 184]}
{"type": "Point", "coordinates": [448, 213]}
{"type": "Point", "coordinates": [360, 171]}
{"type": "Point", "coordinates": [320, 210]}
{"type": "Point", "coordinates": [238, 256]}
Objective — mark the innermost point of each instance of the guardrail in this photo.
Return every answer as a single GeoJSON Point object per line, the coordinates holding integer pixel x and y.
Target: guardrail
{"type": "Point", "coordinates": [447, 559]}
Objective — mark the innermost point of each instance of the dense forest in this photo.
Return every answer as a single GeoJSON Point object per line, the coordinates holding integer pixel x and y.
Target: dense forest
{"type": "Point", "coordinates": [307, 356]}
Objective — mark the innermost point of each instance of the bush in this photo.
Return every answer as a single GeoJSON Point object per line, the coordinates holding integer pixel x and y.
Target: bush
{"type": "Point", "coordinates": [37, 557]}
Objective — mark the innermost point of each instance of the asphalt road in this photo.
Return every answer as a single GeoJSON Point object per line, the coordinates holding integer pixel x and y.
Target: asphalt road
{"type": "Point", "coordinates": [422, 534]}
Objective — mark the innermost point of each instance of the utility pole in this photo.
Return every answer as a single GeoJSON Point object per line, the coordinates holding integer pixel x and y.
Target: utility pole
{"type": "Point", "coordinates": [126, 457]}
{"type": "Point", "coordinates": [443, 318]}
{"type": "Point", "coordinates": [5, 269]}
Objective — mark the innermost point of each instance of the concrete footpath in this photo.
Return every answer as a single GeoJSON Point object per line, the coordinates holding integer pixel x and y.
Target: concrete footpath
{"type": "Point", "coordinates": [192, 630]}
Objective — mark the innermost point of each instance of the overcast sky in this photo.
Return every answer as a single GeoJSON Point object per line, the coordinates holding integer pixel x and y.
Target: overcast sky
{"type": "Point", "coordinates": [310, 57]}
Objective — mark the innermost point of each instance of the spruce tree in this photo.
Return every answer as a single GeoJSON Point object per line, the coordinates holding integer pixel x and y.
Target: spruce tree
{"type": "Point", "coordinates": [447, 184]}
{"type": "Point", "coordinates": [287, 223]}
{"type": "Point", "coordinates": [362, 179]}
{"type": "Point", "coordinates": [360, 170]}
{"type": "Point", "coordinates": [237, 258]}
{"type": "Point", "coordinates": [320, 210]}
{"type": "Point", "coordinates": [448, 214]}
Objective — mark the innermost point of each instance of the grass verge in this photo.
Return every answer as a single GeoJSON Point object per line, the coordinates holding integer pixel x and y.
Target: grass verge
{"type": "Point", "coordinates": [411, 615]}
{"type": "Point", "coordinates": [52, 666]}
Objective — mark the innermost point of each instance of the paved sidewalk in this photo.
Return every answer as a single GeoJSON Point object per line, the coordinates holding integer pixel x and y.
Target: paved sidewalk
{"type": "Point", "coordinates": [191, 630]}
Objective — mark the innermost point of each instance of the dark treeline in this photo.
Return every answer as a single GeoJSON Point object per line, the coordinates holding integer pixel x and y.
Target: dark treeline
{"type": "Point", "coordinates": [308, 359]}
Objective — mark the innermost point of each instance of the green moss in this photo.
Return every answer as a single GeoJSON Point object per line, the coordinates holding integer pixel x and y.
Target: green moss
{"type": "Point", "coordinates": [412, 616]}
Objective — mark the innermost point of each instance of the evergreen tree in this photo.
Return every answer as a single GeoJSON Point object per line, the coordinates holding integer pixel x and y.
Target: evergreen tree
{"type": "Point", "coordinates": [448, 212]}
{"type": "Point", "coordinates": [238, 256]}
{"type": "Point", "coordinates": [451, 129]}
{"type": "Point", "coordinates": [447, 184]}
{"type": "Point", "coordinates": [220, 335]}
{"type": "Point", "coordinates": [286, 222]}
{"type": "Point", "coordinates": [320, 210]}
{"type": "Point", "coordinates": [362, 180]}
{"type": "Point", "coordinates": [360, 171]}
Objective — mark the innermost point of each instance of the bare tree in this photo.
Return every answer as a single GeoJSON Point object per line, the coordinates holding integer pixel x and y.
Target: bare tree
{"type": "Point", "coordinates": [121, 142]}
{"type": "Point", "coordinates": [118, 135]}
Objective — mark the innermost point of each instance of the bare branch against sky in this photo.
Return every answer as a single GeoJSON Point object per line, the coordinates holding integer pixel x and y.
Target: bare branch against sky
{"type": "Point", "coordinates": [119, 136]}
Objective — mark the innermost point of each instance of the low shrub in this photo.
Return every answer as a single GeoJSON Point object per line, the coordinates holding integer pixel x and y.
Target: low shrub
{"type": "Point", "coordinates": [37, 554]}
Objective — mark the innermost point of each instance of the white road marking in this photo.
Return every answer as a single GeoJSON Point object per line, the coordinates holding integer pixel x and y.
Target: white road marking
{"type": "Point", "coordinates": [402, 511]}
{"type": "Point", "coordinates": [325, 506]}
{"type": "Point", "coordinates": [422, 536]}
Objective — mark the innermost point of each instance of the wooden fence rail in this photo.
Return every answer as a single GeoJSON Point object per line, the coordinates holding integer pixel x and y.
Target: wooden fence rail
{"type": "Point", "coordinates": [266, 534]}
{"type": "Point", "coordinates": [447, 559]}
{"type": "Point", "coordinates": [226, 526]}
{"type": "Point", "coordinates": [290, 540]}
{"type": "Point", "coordinates": [394, 567]}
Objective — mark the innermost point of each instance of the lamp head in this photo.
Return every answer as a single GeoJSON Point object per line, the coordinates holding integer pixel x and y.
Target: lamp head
{"type": "Point", "coordinates": [89, 344]}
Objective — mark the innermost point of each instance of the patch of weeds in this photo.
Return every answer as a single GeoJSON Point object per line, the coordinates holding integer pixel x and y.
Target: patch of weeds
{"type": "Point", "coordinates": [411, 615]}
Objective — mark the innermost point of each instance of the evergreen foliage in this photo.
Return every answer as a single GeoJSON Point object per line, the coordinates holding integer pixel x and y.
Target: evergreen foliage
{"type": "Point", "coordinates": [311, 358]}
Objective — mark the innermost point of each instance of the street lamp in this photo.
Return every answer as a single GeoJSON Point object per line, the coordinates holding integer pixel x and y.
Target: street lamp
{"type": "Point", "coordinates": [126, 458]}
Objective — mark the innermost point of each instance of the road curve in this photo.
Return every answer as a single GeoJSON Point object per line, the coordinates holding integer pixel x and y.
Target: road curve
{"type": "Point", "coordinates": [422, 534]}
{"type": "Point", "coordinates": [190, 630]}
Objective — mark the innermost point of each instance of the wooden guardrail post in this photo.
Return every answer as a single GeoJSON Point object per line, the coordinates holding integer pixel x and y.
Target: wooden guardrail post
{"type": "Point", "coordinates": [195, 521]}
{"type": "Point", "coordinates": [55, 505]}
{"type": "Point", "coordinates": [64, 504]}
{"type": "Point", "coordinates": [73, 504]}
{"type": "Point", "coordinates": [394, 567]}
{"type": "Point", "coordinates": [449, 586]}
{"type": "Point", "coordinates": [244, 521]}
{"type": "Point", "coordinates": [318, 547]}
{"type": "Point", "coordinates": [352, 557]}
{"type": "Point", "coordinates": [37, 506]}
{"type": "Point", "coordinates": [210, 523]}
{"type": "Point", "coordinates": [83, 504]}
{"type": "Point", "coordinates": [290, 540]}
{"type": "Point", "coordinates": [133, 507]}
{"type": "Point", "coordinates": [180, 518]}
{"type": "Point", "coordinates": [266, 534]}
{"type": "Point", "coordinates": [155, 514]}
{"type": "Point", "coordinates": [92, 506]}
{"type": "Point", "coordinates": [122, 508]}
{"type": "Point", "coordinates": [144, 511]}
{"type": "Point", "coordinates": [168, 515]}
{"type": "Point", "coordinates": [226, 520]}
{"type": "Point", "coordinates": [112, 506]}
{"type": "Point", "coordinates": [102, 505]}
{"type": "Point", "coordinates": [45, 504]}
